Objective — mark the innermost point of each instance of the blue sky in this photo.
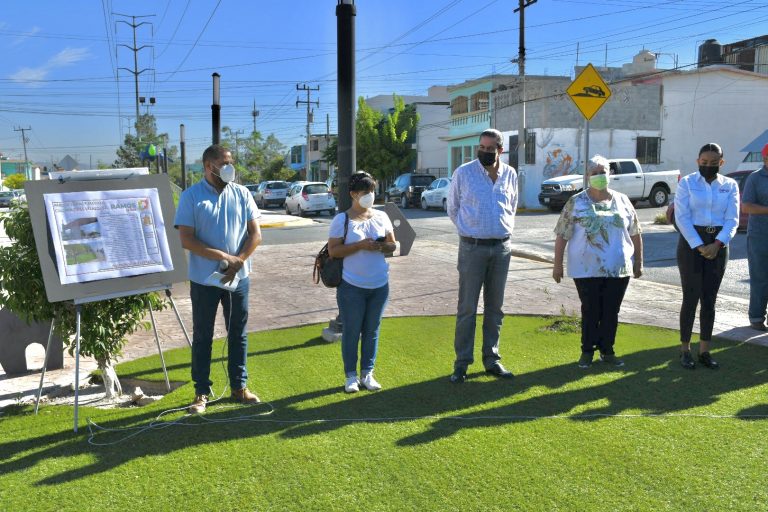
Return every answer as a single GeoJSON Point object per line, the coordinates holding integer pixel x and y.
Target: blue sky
{"type": "Point", "coordinates": [61, 59]}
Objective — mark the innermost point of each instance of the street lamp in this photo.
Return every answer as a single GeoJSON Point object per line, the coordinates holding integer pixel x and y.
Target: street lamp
{"type": "Point", "coordinates": [216, 109]}
{"type": "Point", "coordinates": [151, 103]}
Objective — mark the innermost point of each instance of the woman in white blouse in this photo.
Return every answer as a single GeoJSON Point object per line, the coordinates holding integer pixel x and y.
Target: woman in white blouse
{"type": "Point", "coordinates": [362, 236]}
{"type": "Point", "coordinates": [600, 228]}
{"type": "Point", "coordinates": [707, 216]}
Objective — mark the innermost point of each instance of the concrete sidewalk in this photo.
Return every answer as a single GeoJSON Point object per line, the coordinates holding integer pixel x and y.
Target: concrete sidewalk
{"type": "Point", "coordinates": [423, 283]}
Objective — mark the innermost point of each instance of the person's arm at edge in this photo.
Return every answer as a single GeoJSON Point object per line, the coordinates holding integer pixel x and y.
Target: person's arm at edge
{"type": "Point", "coordinates": [453, 197]}
{"type": "Point", "coordinates": [637, 266]}
{"type": "Point", "coordinates": [557, 271]}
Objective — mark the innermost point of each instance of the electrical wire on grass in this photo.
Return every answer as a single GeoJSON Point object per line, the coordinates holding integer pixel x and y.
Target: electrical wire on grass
{"type": "Point", "coordinates": [188, 420]}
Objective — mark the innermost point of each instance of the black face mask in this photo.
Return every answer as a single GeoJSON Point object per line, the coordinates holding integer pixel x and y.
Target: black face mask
{"type": "Point", "coordinates": [708, 171]}
{"type": "Point", "coordinates": [486, 158]}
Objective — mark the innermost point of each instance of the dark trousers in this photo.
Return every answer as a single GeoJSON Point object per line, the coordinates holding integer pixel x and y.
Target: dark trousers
{"type": "Point", "coordinates": [600, 304]}
{"type": "Point", "coordinates": [701, 280]}
{"type": "Point", "coordinates": [205, 303]}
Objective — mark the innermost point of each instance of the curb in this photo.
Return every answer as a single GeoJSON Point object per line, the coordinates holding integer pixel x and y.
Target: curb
{"type": "Point", "coordinates": [531, 255]}
{"type": "Point", "coordinates": [285, 223]}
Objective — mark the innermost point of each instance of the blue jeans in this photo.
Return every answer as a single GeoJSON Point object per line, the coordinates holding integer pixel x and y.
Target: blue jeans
{"type": "Point", "coordinates": [360, 310]}
{"type": "Point", "coordinates": [205, 303]}
{"type": "Point", "coordinates": [757, 257]}
{"type": "Point", "coordinates": [486, 267]}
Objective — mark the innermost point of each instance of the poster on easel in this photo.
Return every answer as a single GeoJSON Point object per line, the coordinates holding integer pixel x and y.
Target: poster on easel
{"type": "Point", "coordinates": [107, 234]}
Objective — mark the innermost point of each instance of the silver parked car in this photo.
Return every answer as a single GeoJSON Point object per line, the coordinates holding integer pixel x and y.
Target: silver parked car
{"type": "Point", "coordinates": [6, 198]}
{"type": "Point", "coordinates": [312, 197]}
{"type": "Point", "coordinates": [270, 193]}
{"type": "Point", "coordinates": [436, 195]}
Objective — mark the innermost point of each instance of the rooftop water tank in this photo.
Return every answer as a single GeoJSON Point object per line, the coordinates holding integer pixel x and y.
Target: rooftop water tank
{"type": "Point", "coordinates": [710, 53]}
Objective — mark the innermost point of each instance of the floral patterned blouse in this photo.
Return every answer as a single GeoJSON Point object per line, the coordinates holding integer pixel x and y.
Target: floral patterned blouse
{"type": "Point", "coordinates": [598, 235]}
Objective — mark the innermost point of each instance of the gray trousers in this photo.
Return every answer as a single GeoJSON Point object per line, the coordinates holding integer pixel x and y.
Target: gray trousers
{"type": "Point", "coordinates": [486, 267]}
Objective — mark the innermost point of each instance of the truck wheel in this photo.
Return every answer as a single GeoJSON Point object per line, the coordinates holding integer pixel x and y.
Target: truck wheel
{"type": "Point", "coordinates": [659, 196]}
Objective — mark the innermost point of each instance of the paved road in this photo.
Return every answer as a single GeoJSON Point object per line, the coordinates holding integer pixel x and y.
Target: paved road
{"type": "Point", "coordinates": [533, 233]}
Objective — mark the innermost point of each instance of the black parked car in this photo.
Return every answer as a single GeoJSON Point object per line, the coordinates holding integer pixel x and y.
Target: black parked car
{"type": "Point", "coordinates": [407, 189]}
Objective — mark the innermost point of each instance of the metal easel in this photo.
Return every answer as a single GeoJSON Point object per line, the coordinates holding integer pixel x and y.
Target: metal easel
{"type": "Point", "coordinates": [78, 312]}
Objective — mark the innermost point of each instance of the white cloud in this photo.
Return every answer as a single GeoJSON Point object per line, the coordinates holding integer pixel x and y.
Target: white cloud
{"type": "Point", "coordinates": [68, 56]}
{"type": "Point", "coordinates": [64, 58]}
{"type": "Point", "coordinates": [23, 37]}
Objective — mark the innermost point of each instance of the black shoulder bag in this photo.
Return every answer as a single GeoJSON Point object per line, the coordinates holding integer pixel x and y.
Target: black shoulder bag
{"type": "Point", "coordinates": [328, 269]}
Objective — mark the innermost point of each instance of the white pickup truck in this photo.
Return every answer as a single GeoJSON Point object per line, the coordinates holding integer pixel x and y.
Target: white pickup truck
{"type": "Point", "coordinates": [627, 177]}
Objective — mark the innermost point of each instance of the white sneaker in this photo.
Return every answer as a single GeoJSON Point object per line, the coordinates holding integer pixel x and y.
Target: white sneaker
{"type": "Point", "coordinates": [370, 383]}
{"type": "Point", "coordinates": [352, 385]}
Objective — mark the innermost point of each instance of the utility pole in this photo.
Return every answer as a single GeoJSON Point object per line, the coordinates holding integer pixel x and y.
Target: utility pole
{"type": "Point", "coordinates": [24, 141]}
{"type": "Point", "coordinates": [255, 114]}
{"type": "Point", "coordinates": [327, 143]}
{"type": "Point", "coordinates": [345, 65]}
{"type": "Point", "coordinates": [183, 148]}
{"type": "Point", "coordinates": [309, 102]}
{"type": "Point", "coordinates": [135, 72]}
{"type": "Point", "coordinates": [237, 145]}
{"type": "Point", "coordinates": [521, 135]}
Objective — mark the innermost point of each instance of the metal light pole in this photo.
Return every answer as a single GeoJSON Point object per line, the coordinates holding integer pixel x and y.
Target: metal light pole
{"type": "Point", "coordinates": [183, 149]}
{"type": "Point", "coordinates": [521, 135]}
{"type": "Point", "coordinates": [216, 109]}
{"type": "Point", "coordinates": [345, 62]}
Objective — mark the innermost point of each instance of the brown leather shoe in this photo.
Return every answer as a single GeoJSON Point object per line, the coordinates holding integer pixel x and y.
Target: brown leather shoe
{"type": "Point", "coordinates": [198, 406]}
{"type": "Point", "coordinates": [758, 326]}
{"type": "Point", "coordinates": [245, 396]}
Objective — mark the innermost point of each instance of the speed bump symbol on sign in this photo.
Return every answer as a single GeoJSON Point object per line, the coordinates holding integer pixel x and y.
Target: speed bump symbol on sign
{"type": "Point", "coordinates": [589, 91]}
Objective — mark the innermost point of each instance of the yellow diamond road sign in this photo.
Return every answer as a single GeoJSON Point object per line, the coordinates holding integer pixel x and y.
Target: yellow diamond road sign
{"type": "Point", "coordinates": [589, 91]}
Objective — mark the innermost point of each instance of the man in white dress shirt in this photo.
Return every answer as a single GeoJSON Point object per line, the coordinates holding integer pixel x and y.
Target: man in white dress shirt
{"type": "Point", "coordinates": [482, 202]}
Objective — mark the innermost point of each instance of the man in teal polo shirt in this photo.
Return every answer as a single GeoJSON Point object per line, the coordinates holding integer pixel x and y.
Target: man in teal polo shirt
{"type": "Point", "coordinates": [218, 224]}
{"type": "Point", "coordinates": [754, 201]}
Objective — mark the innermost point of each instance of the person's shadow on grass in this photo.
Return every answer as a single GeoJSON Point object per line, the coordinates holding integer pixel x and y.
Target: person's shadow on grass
{"type": "Point", "coordinates": [651, 382]}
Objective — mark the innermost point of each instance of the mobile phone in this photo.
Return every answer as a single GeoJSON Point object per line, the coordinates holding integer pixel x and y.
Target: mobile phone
{"type": "Point", "coordinates": [381, 239]}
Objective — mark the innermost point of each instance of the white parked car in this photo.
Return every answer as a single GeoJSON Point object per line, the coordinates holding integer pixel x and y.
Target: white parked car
{"type": "Point", "coordinates": [312, 197]}
{"type": "Point", "coordinates": [436, 195]}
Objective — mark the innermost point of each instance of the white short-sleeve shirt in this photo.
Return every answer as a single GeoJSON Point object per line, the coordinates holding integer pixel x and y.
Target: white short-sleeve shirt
{"type": "Point", "coordinates": [364, 269]}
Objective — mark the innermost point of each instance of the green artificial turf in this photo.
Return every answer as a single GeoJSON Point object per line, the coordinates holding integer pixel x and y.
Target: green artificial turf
{"type": "Point", "coordinates": [650, 436]}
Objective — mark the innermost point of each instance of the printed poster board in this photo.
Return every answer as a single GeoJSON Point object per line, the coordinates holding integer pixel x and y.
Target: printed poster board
{"type": "Point", "coordinates": [105, 237]}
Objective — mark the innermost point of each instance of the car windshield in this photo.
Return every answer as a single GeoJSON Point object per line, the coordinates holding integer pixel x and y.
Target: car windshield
{"type": "Point", "coordinates": [278, 185]}
{"type": "Point", "coordinates": [422, 181]}
{"type": "Point", "coordinates": [252, 188]}
{"type": "Point", "coordinates": [316, 189]}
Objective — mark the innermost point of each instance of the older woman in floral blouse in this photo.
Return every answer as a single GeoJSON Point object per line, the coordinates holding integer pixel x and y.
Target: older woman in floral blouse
{"type": "Point", "coordinates": [600, 228]}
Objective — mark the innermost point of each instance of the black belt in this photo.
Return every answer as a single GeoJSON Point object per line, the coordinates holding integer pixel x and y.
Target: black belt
{"type": "Point", "coordinates": [708, 234]}
{"type": "Point", "coordinates": [710, 230]}
{"type": "Point", "coordinates": [484, 241]}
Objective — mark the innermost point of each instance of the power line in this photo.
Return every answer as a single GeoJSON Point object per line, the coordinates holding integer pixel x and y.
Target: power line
{"type": "Point", "coordinates": [168, 44]}
{"type": "Point", "coordinates": [196, 41]}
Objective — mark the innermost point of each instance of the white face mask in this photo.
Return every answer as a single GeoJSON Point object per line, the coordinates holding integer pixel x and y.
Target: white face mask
{"type": "Point", "coordinates": [226, 173]}
{"type": "Point", "coordinates": [366, 201]}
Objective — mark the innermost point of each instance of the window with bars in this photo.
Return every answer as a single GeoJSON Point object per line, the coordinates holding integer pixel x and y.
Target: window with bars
{"type": "Point", "coordinates": [648, 150]}
{"type": "Point", "coordinates": [459, 105]}
{"type": "Point", "coordinates": [480, 101]}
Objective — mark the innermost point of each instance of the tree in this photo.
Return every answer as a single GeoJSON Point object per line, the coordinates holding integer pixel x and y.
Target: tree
{"type": "Point", "coordinates": [14, 181]}
{"type": "Point", "coordinates": [104, 325]}
{"type": "Point", "coordinates": [129, 154]}
{"type": "Point", "coordinates": [383, 142]}
{"type": "Point", "coordinates": [257, 158]}
{"type": "Point", "coordinates": [397, 134]}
